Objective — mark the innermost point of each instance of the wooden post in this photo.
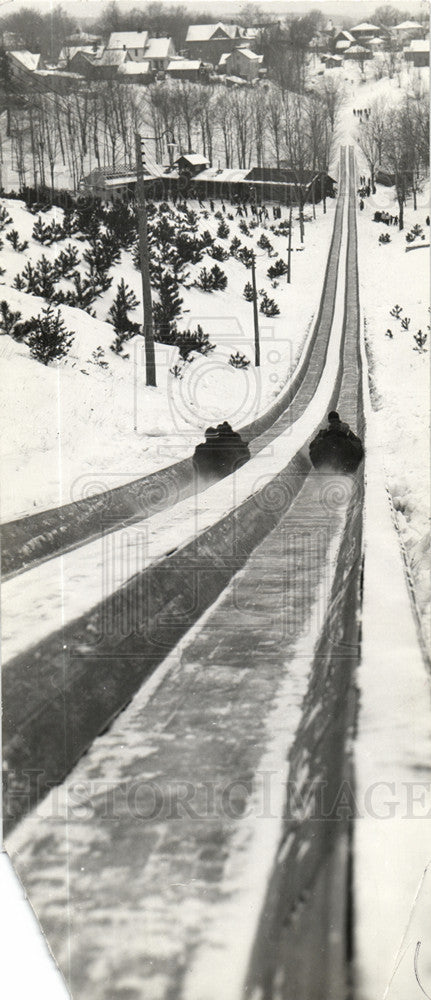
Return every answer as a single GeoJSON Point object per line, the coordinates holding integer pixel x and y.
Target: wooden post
{"type": "Point", "coordinates": [255, 315]}
{"type": "Point", "coordinates": [289, 248]}
{"type": "Point", "coordinates": [150, 360]}
{"type": "Point", "coordinates": [314, 200]}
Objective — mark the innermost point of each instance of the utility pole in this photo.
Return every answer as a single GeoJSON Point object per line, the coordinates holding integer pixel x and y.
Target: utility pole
{"type": "Point", "coordinates": [150, 359]}
{"type": "Point", "coordinates": [289, 247]}
{"type": "Point", "coordinates": [255, 315]}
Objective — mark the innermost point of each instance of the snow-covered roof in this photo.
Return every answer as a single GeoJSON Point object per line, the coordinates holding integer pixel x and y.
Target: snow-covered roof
{"type": "Point", "coordinates": [223, 58]}
{"type": "Point", "coordinates": [114, 57]}
{"type": "Point", "coordinates": [30, 60]}
{"type": "Point", "coordinates": [418, 45]}
{"type": "Point", "coordinates": [127, 39]}
{"type": "Point", "coordinates": [357, 49]}
{"type": "Point", "coordinates": [69, 51]}
{"type": "Point", "coordinates": [248, 54]}
{"type": "Point", "coordinates": [346, 35]}
{"type": "Point", "coordinates": [158, 48]}
{"type": "Point", "coordinates": [332, 58]}
{"type": "Point", "coordinates": [227, 175]}
{"type": "Point", "coordinates": [184, 64]}
{"type": "Point", "coordinates": [238, 80]}
{"type": "Point", "coordinates": [204, 32]}
{"type": "Point", "coordinates": [193, 158]}
{"type": "Point", "coordinates": [342, 44]}
{"type": "Point", "coordinates": [406, 26]}
{"type": "Point", "coordinates": [365, 26]}
{"type": "Point", "coordinates": [135, 68]}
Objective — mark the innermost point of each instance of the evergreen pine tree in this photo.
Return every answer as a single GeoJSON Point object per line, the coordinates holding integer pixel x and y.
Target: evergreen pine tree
{"type": "Point", "coordinates": [166, 310]}
{"type": "Point", "coordinates": [8, 319]}
{"type": "Point", "coordinates": [248, 292]}
{"type": "Point", "coordinates": [49, 340]}
{"type": "Point", "coordinates": [239, 360]}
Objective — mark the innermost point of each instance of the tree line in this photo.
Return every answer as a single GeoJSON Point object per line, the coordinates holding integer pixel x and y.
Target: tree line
{"type": "Point", "coordinates": [232, 128]}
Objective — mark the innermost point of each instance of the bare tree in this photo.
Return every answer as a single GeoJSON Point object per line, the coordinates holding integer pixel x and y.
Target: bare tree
{"type": "Point", "coordinates": [274, 105]}
{"type": "Point", "coordinates": [371, 136]}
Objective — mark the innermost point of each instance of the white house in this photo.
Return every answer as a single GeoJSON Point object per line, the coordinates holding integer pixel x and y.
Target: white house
{"type": "Point", "coordinates": [210, 41]}
{"type": "Point", "coordinates": [418, 52]}
{"type": "Point", "coordinates": [407, 30]}
{"type": "Point", "coordinates": [133, 42]}
{"type": "Point", "coordinates": [21, 63]}
{"type": "Point", "coordinates": [159, 52]}
{"type": "Point", "coordinates": [242, 62]}
{"type": "Point", "coordinates": [364, 31]}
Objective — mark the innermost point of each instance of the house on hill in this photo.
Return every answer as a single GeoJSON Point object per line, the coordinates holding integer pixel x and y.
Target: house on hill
{"type": "Point", "coordinates": [209, 41]}
{"type": "Point", "coordinates": [418, 52]}
{"type": "Point", "coordinates": [407, 30]}
{"type": "Point", "coordinates": [242, 62]}
{"type": "Point", "coordinates": [132, 42]}
{"type": "Point", "coordinates": [191, 163]}
{"type": "Point", "coordinates": [22, 63]}
{"type": "Point", "coordinates": [332, 61]}
{"type": "Point", "coordinates": [159, 52]}
{"type": "Point", "coordinates": [187, 69]}
{"type": "Point", "coordinates": [135, 72]}
{"type": "Point", "coordinates": [343, 40]}
{"type": "Point", "coordinates": [107, 65]}
{"type": "Point", "coordinates": [365, 31]}
{"type": "Point", "coordinates": [68, 53]}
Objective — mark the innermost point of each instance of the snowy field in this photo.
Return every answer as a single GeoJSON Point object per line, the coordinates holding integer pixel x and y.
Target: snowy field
{"type": "Point", "coordinates": [75, 428]}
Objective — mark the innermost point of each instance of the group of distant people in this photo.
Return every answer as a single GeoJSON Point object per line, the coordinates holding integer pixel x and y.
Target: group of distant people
{"type": "Point", "coordinates": [386, 217]}
{"type": "Point", "coordinates": [362, 113]}
{"type": "Point", "coordinates": [365, 191]}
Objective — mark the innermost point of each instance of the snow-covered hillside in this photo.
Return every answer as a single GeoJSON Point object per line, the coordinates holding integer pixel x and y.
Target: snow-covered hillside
{"type": "Point", "coordinates": [75, 427]}
{"type": "Point", "coordinates": [394, 275]}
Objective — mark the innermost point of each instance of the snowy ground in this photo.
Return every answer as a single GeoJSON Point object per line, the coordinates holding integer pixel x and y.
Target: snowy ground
{"type": "Point", "coordinates": [392, 874]}
{"type": "Point", "coordinates": [399, 373]}
{"type": "Point", "coordinates": [76, 428]}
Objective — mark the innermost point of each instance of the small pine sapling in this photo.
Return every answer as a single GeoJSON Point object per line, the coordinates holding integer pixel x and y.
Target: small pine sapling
{"type": "Point", "coordinates": [14, 240]}
{"type": "Point", "coordinates": [219, 278]}
{"type": "Point", "coordinates": [239, 360]}
{"type": "Point", "coordinates": [384, 238]}
{"type": "Point", "coordinates": [405, 323]}
{"type": "Point", "coordinates": [396, 312]}
{"type": "Point", "coordinates": [389, 334]}
{"type": "Point", "coordinates": [265, 244]}
{"type": "Point", "coordinates": [218, 252]}
{"type": "Point", "coordinates": [98, 357]}
{"type": "Point", "coordinates": [277, 270]}
{"type": "Point", "coordinates": [248, 294]}
{"type": "Point", "coordinates": [243, 227]}
{"type": "Point", "coordinates": [222, 229]}
{"type": "Point", "coordinates": [66, 261]}
{"type": "Point", "coordinates": [268, 307]}
{"type": "Point", "coordinates": [5, 219]}
{"type": "Point", "coordinates": [245, 256]}
{"type": "Point", "coordinates": [235, 246]}
{"type": "Point", "coordinates": [49, 340]}
{"type": "Point", "coordinates": [193, 340]}
{"type": "Point", "coordinates": [420, 340]}
{"type": "Point", "coordinates": [8, 318]}
{"type": "Point", "coordinates": [204, 280]}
